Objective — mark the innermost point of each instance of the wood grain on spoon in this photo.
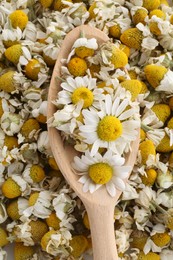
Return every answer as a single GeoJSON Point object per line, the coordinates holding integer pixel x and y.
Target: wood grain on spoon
{"type": "Point", "coordinates": [99, 205]}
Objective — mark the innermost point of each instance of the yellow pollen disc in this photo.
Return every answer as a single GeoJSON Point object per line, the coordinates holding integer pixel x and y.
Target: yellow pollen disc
{"type": "Point", "coordinates": [84, 94]}
{"type": "Point", "coordinates": [100, 173]}
{"type": "Point", "coordinates": [109, 128]}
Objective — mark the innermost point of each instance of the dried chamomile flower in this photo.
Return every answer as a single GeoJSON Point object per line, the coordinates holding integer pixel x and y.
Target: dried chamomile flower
{"type": "Point", "coordinates": [32, 69]}
{"type": "Point", "coordinates": [11, 142]}
{"type": "Point", "coordinates": [59, 5]}
{"type": "Point", "coordinates": [3, 237]}
{"type": "Point", "coordinates": [162, 111]}
{"type": "Point", "coordinates": [15, 186]}
{"type": "Point", "coordinates": [151, 4]}
{"type": "Point", "coordinates": [77, 66]}
{"type": "Point", "coordinates": [138, 14]}
{"type": "Point", "coordinates": [138, 239]}
{"type": "Point", "coordinates": [22, 252]}
{"type": "Point", "coordinates": [43, 144]}
{"type": "Point", "coordinates": [46, 3]}
{"type": "Point", "coordinates": [146, 149]}
{"type": "Point", "coordinates": [18, 18]}
{"type": "Point", "coordinates": [134, 86]}
{"type": "Point", "coordinates": [164, 180]}
{"type": "Point", "coordinates": [148, 256]}
{"type": "Point", "coordinates": [33, 173]}
{"type": "Point", "coordinates": [16, 207]}
{"type": "Point", "coordinates": [164, 145]}
{"type": "Point", "coordinates": [29, 128]}
{"type": "Point", "coordinates": [161, 239]}
{"type": "Point", "coordinates": [11, 123]}
{"type": "Point", "coordinates": [85, 47]}
{"type": "Point", "coordinates": [11, 37]}
{"type": "Point", "coordinates": [13, 53]}
{"type": "Point", "coordinates": [8, 82]}
{"type": "Point", "coordinates": [39, 204]}
{"type": "Point", "coordinates": [132, 37]}
{"type": "Point", "coordinates": [79, 245]}
{"type": "Point", "coordinates": [57, 242]}
{"type": "Point", "coordinates": [53, 221]}
{"type": "Point", "coordinates": [149, 177]}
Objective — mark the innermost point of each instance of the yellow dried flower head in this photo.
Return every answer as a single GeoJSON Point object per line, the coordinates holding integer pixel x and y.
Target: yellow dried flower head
{"type": "Point", "coordinates": [132, 37]}
{"type": "Point", "coordinates": [139, 16]}
{"type": "Point", "coordinates": [149, 256]}
{"type": "Point", "coordinates": [29, 125]}
{"type": "Point", "coordinates": [22, 252]}
{"type": "Point", "coordinates": [32, 69]}
{"type": "Point", "coordinates": [164, 145]}
{"type": "Point", "coordinates": [149, 178]}
{"type": "Point", "coordinates": [151, 4]}
{"type": "Point", "coordinates": [11, 142]}
{"type": "Point", "coordinates": [13, 53]}
{"type": "Point", "coordinates": [7, 82]}
{"type": "Point", "coordinates": [79, 244]}
{"type": "Point", "coordinates": [49, 61]}
{"type": "Point", "coordinates": [154, 28]}
{"type": "Point", "coordinates": [3, 237]}
{"type": "Point", "coordinates": [86, 221]}
{"type": "Point", "coordinates": [170, 123]}
{"type": "Point", "coordinates": [115, 31]}
{"type": "Point", "coordinates": [37, 173]}
{"type": "Point", "coordinates": [38, 229]}
{"type": "Point", "coordinates": [159, 13]}
{"type": "Point", "coordinates": [58, 5]}
{"type": "Point", "coordinates": [125, 49]}
{"type": "Point", "coordinates": [46, 238]}
{"type": "Point", "coordinates": [118, 58]}
{"type": "Point", "coordinates": [77, 66]}
{"type": "Point", "coordinates": [83, 52]}
{"type": "Point", "coordinates": [46, 3]}
{"type": "Point", "coordinates": [134, 86]}
{"type": "Point", "coordinates": [12, 210]}
{"type": "Point", "coordinates": [139, 239]}
{"type": "Point", "coordinates": [142, 135]}
{"type": "Point", "coordinates": [33, 198]}
{"type": "Point", "coordinates": [19, 19]}
{"type": "Point", "coordinates": [53, 221]}
{"type": "Point", "coordinates": [162, 111]}
{"type": "Point", "coordinates": [53, 163]}
{"type": "Point", "coordinates": [92, 14]}
{"type": "Point", "coordinates": [146, 148]}
{"type": "Point", "coordinates": [154, 74]}
{"type": "Point", "coordinates": [161, 239]}
{"type": "Point", "coordinates": [11, 189]}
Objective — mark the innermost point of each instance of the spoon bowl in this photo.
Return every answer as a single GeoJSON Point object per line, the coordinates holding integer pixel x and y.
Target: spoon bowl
{"type": "Point", "coordinates": [99, 205]}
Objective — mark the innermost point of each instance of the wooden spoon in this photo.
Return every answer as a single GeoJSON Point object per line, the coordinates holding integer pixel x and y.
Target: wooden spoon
{"type": "Point", "coordinates": [99, 205]}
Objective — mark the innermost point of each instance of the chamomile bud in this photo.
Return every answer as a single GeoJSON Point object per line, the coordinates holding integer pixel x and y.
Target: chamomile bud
{"type": "Point", "coordinates": [162, 111]}
{"type": "Point", "coordinates": [161, 239]}
{"type": "Point", "coordinates": [18, 18]}
{"type": "Point", "coordinates": [22, 252]}
{"type": "Point", "coordinates": [8, 82]}
{"type": "Point", "coordinates": [146, 148]}
{"type": "Point", "coordinates": [148, 256]}
{"type": "Point", "coordinates": [3, 237]}
{"type": "Point", "coordinates": [13, 53]}
{"type": "Point", "coordinates": [151, 4]}
{"type": "Point", "coordinates": [77, 66]}
{"type": "Point", "coordinates": [79, 245]}
{"type": "Point", "coordinates": [134, 86]}
{"type": "Point", "coordinates": [132, 37]}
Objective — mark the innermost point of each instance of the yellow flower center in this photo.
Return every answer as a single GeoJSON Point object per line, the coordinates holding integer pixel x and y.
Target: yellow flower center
{"type": "Point", "coordinates": [84, 94]}
{"type": "Point", "coordinates": [161, 239]}
{"type": "Point", "coordinates": [109, 128]}
{"type": "Point", "coordinates": [100, 173]}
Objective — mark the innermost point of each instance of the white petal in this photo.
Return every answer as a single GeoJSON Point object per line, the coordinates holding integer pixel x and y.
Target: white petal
{"type": "Point", "coordinates": [111, 188]}
{"type": "Point", "coordinates": [122, 106]}
{"type": "Point", "coordinates": [119, 184]}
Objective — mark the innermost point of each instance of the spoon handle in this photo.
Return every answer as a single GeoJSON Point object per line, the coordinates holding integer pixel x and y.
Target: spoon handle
{"type": "Point", "coordinates": [101, 219]}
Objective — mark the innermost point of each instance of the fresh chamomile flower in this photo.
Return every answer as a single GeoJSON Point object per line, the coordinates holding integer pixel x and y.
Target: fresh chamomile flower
{"type": "Point", "coordinates": [101, 170]}
{"type": "Point", "coordinates": [40, 203]}
{"type": "Point", "coordinates": [79, 89]}
{"type": "Point", "coordinates": [113, 127]}
{"type": "Point", "coordinates": [56, 242]}
{"type": "Point", "coordinates": [159, 77]}
{"type": "Point", "coordinates": [22, 251]}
